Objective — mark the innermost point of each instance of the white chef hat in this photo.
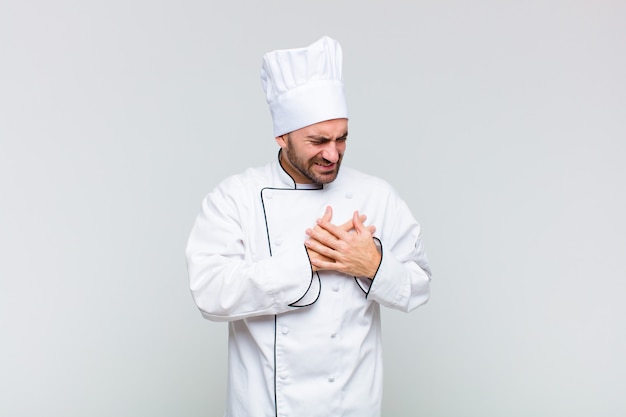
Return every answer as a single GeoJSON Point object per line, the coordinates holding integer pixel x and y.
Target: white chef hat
{"type": "Point", "coordinates": [303, 86]}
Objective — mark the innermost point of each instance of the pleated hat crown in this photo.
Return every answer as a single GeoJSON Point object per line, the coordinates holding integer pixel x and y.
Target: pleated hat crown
{"type": "Point", "coordinates": [304, 86]}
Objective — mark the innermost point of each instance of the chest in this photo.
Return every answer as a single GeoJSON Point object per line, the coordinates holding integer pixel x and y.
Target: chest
{"type": "Point", "coordinates": [288, 213]}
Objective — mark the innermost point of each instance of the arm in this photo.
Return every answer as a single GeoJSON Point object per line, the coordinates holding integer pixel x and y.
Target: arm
{"type": "Point", "coordinates": [394, 273]}
{"type": "Point", "coordinates": [225, 282]}
{"type": "Point", "coordinates": [402, 281]}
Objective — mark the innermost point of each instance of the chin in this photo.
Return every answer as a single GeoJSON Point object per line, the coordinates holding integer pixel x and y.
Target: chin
{"type": "Point", "coordinates": [325, 179]}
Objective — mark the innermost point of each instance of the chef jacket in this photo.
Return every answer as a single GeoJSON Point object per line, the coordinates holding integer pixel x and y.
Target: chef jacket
{"type": "Point", "coordinates": [301, 344]}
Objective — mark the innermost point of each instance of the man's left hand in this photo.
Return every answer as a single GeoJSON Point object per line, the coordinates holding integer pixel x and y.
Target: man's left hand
{"type": "Point", "coordinates": [353, 253]}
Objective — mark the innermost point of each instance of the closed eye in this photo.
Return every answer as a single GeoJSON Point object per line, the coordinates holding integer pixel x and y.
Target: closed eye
{"type": "Point", "coordinates": [321, 140]}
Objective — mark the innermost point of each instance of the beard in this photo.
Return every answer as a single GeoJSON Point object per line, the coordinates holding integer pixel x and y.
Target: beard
{"type": "Point", "coordinates": [306, 167]}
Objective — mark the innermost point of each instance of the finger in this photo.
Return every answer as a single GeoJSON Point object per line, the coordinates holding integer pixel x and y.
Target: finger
{"type": "Point", "coordinates": [359, 226]}
{"type": "Point", "coordinates": [322, 235]}
{"type": "Point", "coordinates": [336, 231]}
{"type": "Point", "coordinates": [328, 214]}
{"type": "Point", "coordinates": [321, 265]}
{"type": "Point", "coordinates": [326, 217]}
{"type": "Point", "coordinates": [320, 248]}
{"type": "Point", "coordinates": [315, 258]}
{"type": "Point", "coordinates": [316, 255]}
{"type": "Point", "coordinates": [349, 225]}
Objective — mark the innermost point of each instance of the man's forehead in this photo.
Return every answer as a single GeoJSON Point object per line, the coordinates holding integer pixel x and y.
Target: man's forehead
{"type": "Point", "coordinates": [328, 128]}
{"type": "Point", "coordinates": [327, 136]}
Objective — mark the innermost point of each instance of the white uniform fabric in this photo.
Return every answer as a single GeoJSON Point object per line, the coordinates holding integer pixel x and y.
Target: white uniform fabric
{"type": "Point", "coordinates": [301, 344]}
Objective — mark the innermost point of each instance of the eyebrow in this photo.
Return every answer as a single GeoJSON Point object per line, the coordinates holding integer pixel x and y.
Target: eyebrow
{"type": "Point", "coordinates": [322, 137]}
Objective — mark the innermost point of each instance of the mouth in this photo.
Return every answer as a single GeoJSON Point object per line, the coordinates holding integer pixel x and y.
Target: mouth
{"type": "Point", "coordinates": [326, 167]}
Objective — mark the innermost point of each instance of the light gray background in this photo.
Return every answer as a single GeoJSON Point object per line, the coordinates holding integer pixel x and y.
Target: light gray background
{"type": "Point", "coordinates": [501, 123]}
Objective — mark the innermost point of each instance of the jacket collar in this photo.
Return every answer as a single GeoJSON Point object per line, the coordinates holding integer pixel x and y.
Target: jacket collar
{"type": "Point", "coordinates": [284, 180]}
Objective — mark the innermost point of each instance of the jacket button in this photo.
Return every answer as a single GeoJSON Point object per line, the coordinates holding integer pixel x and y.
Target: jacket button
{"type": "Point", "coordinates": [284, 330]}
{"type": "Point", "coordinates": [335, 288]}
{"type": "Point", "coordinates": [348, 195]}
{"type": "Point", "coordinates": [333, 335]}
{"type": "Point", "coordinates": [279, 242]}
{"type": "Point", "coordinates": [331, 379]}
{"type": "Point", "coordinates": [283, 376]}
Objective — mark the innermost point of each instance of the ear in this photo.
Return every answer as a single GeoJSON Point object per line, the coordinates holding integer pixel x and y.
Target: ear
{"type": "Point", "coordinates": [282, 140]}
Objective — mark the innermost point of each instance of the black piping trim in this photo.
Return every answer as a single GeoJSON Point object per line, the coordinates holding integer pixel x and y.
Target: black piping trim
{"type": "Point", "coordinates": [358, 283]}
{"type": "Point", "coordinates": [275, 389]}
{"type": "Point", "coordinates": [267, 229]}
{"type": "Point", "coordinates": [281, 167]}
{"type": "Point", "coordinates": [269, 246]}
{"type": "Point", "coordinates": [310, 285]}
{"type": "Point", "coordinates": [379, 264]}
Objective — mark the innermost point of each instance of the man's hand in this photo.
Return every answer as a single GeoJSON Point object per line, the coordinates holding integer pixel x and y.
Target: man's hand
{"type": "Point", "coordinates": [348, 248]}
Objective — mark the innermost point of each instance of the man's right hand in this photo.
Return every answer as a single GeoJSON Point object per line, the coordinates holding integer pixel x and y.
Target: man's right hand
{"type": "Point", "coordinates": [346, 227]}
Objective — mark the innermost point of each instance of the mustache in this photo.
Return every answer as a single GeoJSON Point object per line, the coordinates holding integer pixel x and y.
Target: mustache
{"type": "Point", "coordinates": [326, 162]}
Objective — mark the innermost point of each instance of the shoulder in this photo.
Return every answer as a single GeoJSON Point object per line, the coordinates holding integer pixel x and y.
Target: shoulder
{"type": "Point", "coordinates": [240, 189]}
{"type": "Point", "coordinates": [250, 178]}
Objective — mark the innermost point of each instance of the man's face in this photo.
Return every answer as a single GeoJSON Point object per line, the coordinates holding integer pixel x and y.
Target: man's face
{"type": "Point", "coordinates": [313, 154]}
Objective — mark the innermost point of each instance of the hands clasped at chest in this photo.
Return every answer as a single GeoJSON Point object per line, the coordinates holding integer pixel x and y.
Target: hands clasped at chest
{"type": "Point", "coordinates": [348, 248]}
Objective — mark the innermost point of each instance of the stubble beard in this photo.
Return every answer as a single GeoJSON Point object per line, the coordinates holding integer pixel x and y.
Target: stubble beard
{"type": "Point", "coordinates": [306, 167]}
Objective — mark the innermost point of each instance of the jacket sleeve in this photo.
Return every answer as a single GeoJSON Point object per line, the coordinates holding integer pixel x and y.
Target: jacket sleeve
{"type": "Point", "coordinates": [402, 281]}
{"type": "Point", "coordinates": [225, 282]}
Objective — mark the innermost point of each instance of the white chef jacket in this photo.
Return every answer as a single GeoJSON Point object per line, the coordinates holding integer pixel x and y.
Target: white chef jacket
{"type": "Point", "coordinates": [301, 344]}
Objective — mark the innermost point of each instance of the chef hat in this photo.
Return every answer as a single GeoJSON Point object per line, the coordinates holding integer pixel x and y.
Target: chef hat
{"type": "Point", "coordinates": [303, 86]}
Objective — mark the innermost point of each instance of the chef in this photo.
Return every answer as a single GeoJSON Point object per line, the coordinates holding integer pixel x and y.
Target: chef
{"type": "Point", "coordinates": [299, 255]}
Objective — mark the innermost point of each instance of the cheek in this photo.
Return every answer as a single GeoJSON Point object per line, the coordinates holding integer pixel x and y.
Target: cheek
{"type": "Point", "coordinates": [311, 154]}
{"type": "Point", "coordinates": [304, 155]}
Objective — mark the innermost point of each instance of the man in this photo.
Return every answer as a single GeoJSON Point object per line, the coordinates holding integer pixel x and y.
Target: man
{"type": "Point", "coordinates": [284, 255]}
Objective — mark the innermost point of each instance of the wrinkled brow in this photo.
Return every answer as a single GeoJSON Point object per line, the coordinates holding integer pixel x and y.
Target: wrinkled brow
{"type": "Point", "coordinates": [326, 138]}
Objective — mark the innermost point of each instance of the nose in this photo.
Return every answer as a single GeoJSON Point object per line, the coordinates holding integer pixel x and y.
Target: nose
{"type": "Point", "coordinates": [330, 152]}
